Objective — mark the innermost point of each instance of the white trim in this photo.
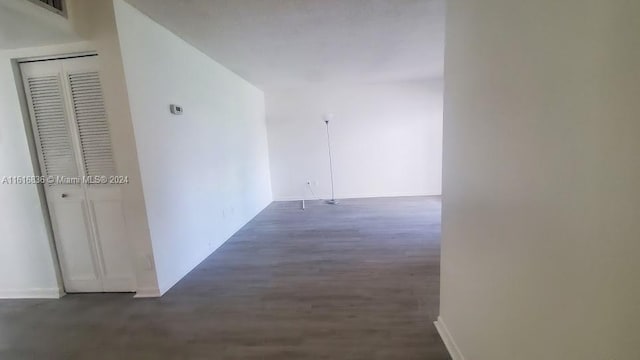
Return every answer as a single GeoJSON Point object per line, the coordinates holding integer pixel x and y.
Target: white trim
{"type": "Point", "coordinates": [353, 196]}
{"type": "Point", "coordinates": [46, 293]}
{"type": "Point", "coordinates": [49, 51]}
{"type": "Point", "coordinates": [56, 57]}
{"type": "Point", "coordinates": [147, 293]}
{"type": "Point", "coordinates": [16, 56]}
{"type": "Point", "coordinates": [163, 289]}
{"type": "Point", "coordinates": [453, 349]}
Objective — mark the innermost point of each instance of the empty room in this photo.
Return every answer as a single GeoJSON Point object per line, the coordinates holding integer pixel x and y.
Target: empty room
{"type": "Point", "coordinates": [306, 179]}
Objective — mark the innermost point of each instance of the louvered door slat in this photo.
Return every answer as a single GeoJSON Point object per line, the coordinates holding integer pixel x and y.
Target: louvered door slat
{"type": "Point", "coordinates": [54, 127]}
{"type": "Point", "coordinates": [47, 107]}
{"type": "Point", "coordinates": [46, 104]}
{"type": "Point", "coordinates": [51, 126]}
{"type": "Point", "coordinates": [92, 121]}
{"type": "Point", "coordinates": [86, 103]}
{"type": "Point", "coordinates": [91, 118]}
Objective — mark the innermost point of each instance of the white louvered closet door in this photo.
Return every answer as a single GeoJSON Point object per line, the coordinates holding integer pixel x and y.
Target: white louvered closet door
{"type": "Point", "coordinates": [71, 132]}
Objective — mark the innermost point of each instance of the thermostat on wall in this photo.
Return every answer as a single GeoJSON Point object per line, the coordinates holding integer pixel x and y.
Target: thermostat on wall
{"type": "Point", "coordinates": [176, 109]}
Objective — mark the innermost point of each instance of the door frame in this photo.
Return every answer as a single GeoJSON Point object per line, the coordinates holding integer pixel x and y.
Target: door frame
{"type": "Point", "coordinates": [33, 151]}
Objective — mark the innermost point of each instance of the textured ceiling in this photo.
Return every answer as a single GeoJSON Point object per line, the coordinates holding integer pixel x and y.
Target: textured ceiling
{"type": "Point", "coordinates": [288, 43]}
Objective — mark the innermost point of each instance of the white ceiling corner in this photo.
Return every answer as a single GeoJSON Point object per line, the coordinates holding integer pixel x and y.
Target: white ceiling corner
{"type": "Point", "coordinates": [288, 43]}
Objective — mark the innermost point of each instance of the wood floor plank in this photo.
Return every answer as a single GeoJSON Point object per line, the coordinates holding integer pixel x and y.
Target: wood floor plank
{"type": "Point", "coordinates": [359, 280]}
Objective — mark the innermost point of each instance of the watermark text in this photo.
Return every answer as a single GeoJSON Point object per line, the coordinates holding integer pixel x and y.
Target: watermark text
{"type": "Point", "coordinates": [64, 180]}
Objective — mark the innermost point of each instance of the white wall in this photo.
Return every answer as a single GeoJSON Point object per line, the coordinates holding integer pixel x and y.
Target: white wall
{"type": "Point", "coordinates": [386, 140]}
{"type": "Point", "coordinates": [541, 198]}
{"type": "Point", "coordinates": [27, 267]}
{"type": "Point", "coordinates": [205, 173]}
{"type": "Point", "coordinates": [25, 24]}
{"type": "Point", "coordinates": [26, 260]}
{"type": "Point", "coordinates": [95, 20]}
{"type": "Point", "coordinates": [217, 153]}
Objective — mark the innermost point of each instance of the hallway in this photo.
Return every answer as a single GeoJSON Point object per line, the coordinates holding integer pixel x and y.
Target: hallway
{"type": "Point", "coordinates": [355, 281]}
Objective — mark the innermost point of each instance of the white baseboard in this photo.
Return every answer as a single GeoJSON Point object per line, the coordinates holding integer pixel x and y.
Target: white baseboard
{"type": "Point", "coordinates": [165, 286]}
{"type": "Point", "coordinates": [454, 351]}
{"type": "Point", "coordinates": [147, 293]}
{"type": "Point", "coordinates": [39, 293]}
{"type": "Point", "coordinates": [354, 196]}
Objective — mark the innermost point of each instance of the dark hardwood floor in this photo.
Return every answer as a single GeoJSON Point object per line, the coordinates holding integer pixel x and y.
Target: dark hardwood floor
{"type": "Point", "coordinates": [359, 280]}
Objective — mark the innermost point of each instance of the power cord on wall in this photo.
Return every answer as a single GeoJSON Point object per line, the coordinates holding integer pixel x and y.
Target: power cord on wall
{"type": "Point", "coordinates": [312, 192]}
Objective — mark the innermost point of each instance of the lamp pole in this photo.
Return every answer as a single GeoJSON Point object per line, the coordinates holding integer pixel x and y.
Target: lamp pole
{"type": "Point", "coordinates": [327, 118]}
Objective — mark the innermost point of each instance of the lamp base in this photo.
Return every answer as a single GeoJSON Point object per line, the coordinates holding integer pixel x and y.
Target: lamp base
{"type": "Point", "coordinates": [332, 202]}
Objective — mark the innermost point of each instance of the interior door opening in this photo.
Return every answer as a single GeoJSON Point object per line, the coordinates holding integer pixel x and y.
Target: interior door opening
{"type": "Point", "coordinates": [78, 173]}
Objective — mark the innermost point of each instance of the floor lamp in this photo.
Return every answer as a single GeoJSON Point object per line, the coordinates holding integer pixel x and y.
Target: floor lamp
{"type": "Point", "coordinates": [328, 117]}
